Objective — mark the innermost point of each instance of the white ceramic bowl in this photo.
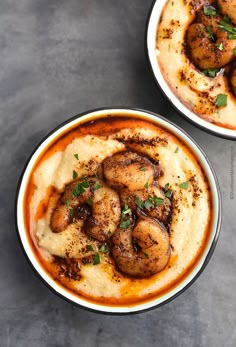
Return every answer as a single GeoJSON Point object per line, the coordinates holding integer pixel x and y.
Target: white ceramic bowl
{"type": "Point", "coordinates": [58, 289]}
{"type": "Point", "coordinates": [151, 29]}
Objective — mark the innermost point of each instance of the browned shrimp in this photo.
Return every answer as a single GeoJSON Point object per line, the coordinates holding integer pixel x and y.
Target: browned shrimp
{"type": "Point", "coordinates": [228, 7]}
{"type": "Point", "coordinates": [151, 200]}
{"type": "Point", "coordinates": [141, 250]}
{"type": "Point", "coordinates": [209, 46]}
{"type": "Point", "coordinates": [129, 170]}
{"type": "Point", "coordinates": [74, 203]}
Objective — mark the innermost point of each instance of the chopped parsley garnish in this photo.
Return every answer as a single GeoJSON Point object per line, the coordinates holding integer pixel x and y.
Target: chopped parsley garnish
{"type": "Point", "coordinates": [158, 201]}
{"type": "Point", "coordinates": [103, 249]}
{"type": "Point", "coordinates": [109, 233]}
{"type": "Point", "coordinates": [138, 202]}
{"type": "Point", "coordinates": [97, 186]}
{"type": "Point", "coordinates": [125, 224]}
{"type": "Point", "coordinates": [76, 156]}
{"type": "Point", "coordinates": [184, 185]}
{"type": "Point", "coordinates": [221, 100]}
{"type": "Point", "coordinates": [90, 248]}
{"type": "Point", "coordinates": [90, 201]}
{"type": "Point", "coordinates": [75, 175]}
{"type": "Point", "coordinates": [126, 210]}
{"type": "Point", "coordinates": [227, 19]}
{"type": "Point", "coordinates": [148, 204]}
{"type": "Point", "coordinates": [125, 213]}
{"type": "Point", "coordinates": [146, 255]}
{"type": "Point", "coordinates": [234, 51]}
{"type": "Point", "coordinates": [96, 259]}
{"type": "Point", "coordinates": [143, 168]}
{"type": "Point", "coordinates": [211, 72]}
{"type": "Point", "coordinates": [209, 11]}
{"type": "Point", "coordinates": [229, 28]}
{"type": "Point", "coordinates": [80, 188]}
{"type": "Point", "coordinates": [67, 202]}
{"type": "Point", "coordinates": [151, 201]}
{"type": "Point", "coordinates": [219, 46]}
{"type": "Point", "coordinates": [72, 213]}
{"type": "Point", "coordinates": [210, 32]}
{"type": "Point", "coordinates": [177, 150]}
{"type": "Point", "coordinates": [146, 185]}
{"type": "Point", "coordinates": [168, 192]}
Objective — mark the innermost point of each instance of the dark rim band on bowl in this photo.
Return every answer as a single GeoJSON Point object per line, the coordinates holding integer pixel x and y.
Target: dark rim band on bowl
{"type": "Point", "coordinates": [218, 213]}
{"type": "Point", "coordinates": [215, 131]}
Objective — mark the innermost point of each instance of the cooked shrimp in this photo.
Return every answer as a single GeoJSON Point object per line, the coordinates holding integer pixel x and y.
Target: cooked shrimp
{"type": "Point", "coordinates": [205, 52]}
{"type": "Point", "coordinates": [228, 7]}
{"type": "Point", "coordinates": [141, 250]}
{"type": "Point", "coordinates": [78, 196]}
{"type": "Point", "coordinates": [130, 170]}
{"type": "Point", "coordinates": [151, 200]}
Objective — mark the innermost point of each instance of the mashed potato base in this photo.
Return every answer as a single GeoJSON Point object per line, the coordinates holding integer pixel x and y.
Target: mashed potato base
{"type": "Point", "coordinates": [191, 217]}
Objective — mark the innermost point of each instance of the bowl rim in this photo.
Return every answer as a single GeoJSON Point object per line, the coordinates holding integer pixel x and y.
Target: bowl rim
{"type": "Point", "coordinates": [117, 310]}
{"type": "Point", "coordinates": [208, 127]}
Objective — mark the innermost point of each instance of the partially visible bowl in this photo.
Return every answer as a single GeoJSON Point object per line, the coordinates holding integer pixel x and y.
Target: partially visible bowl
{"type": "Point", "coordinates": [25, 217]}
{"type": "Point", "coordinates": [181, 82]}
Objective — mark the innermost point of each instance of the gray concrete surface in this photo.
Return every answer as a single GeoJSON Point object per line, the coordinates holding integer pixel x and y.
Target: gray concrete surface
{"type": "Point", "coordinates": [59, 58]}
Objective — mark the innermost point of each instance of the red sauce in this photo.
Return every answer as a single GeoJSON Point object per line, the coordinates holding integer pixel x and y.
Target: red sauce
{"type": "Point", "coordinates": [106, 126]}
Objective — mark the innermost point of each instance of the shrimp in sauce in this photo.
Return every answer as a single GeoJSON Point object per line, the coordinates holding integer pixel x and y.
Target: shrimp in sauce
{"type": "Point", "coordinates": [209, 45]}
{"type": "Point", "coordinates": [78, 196]}
{"type": "Point", "coordinates": [129, 170]}
{"type": "Point", "coordinates": [142, 249]}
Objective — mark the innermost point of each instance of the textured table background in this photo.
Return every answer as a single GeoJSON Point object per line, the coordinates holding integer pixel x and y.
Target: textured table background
{"type": "Point", "coordinates": [59, 58]}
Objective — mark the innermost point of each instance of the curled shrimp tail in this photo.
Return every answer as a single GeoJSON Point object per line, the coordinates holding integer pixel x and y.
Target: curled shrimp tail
{"type": "Point", "coordinates": [141, 250]}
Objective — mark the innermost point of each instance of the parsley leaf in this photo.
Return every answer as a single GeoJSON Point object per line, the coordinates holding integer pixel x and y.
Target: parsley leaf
{"type": "Point", "coordinates": [167, 186]}
{"type": "Point", "coordinates": [126, 210]}
{"type": "Point", "coordinates": [75, 175]}
{"type": "Point", "coordinates": [210, 32]}
{"type": "Point", "coordinates": [138, 202]}
{"type": "Point", "coordinates": [229, 28]}
{"type": "Point", "coordinates": [177, 150]}
{"type": "Point", "coordinates": [97, 186]}
{"type": "Point", "coordinates": [184, 185]}
{"type": "Point", "coordinates": [211, 72]}
{"type": "Point", "coordinates": [221, 100]}
{"type": "Point", "coordinates": [227, 19]}
{"type": "Point", "coordinates": [219, 46]}
{"type": "Point", "coordinates": [125, 224]}
{"type": "Point", "coordinates": [67, 202]}
{"type": "Point", "coordinates": [146, 185]}
{"type": "Point", "coordinates": [90, 248]}
{"type": "Point", "coordinates": [103, 249]}
{"type": "Point", "coordinates": [209, 11]}
{"type": "Point", "coordinates": [79, 188]}
{"type": "Point", "coordinates": [168, 192]}
{"type": "Point", "coordinates": [72, 213]}
{"type": "Point", "coordinates": [148, 204]}
{"type": "Point", "coordinates": [76, 156]}
{"type": "Point", "coordinates": [96, 259]}
{"type": "Point", "coordinates": [143, 168]}
{"type": "Point", "coordinates": [158, 201]}
{"type": "Point", "coordinates": [146, 255]}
